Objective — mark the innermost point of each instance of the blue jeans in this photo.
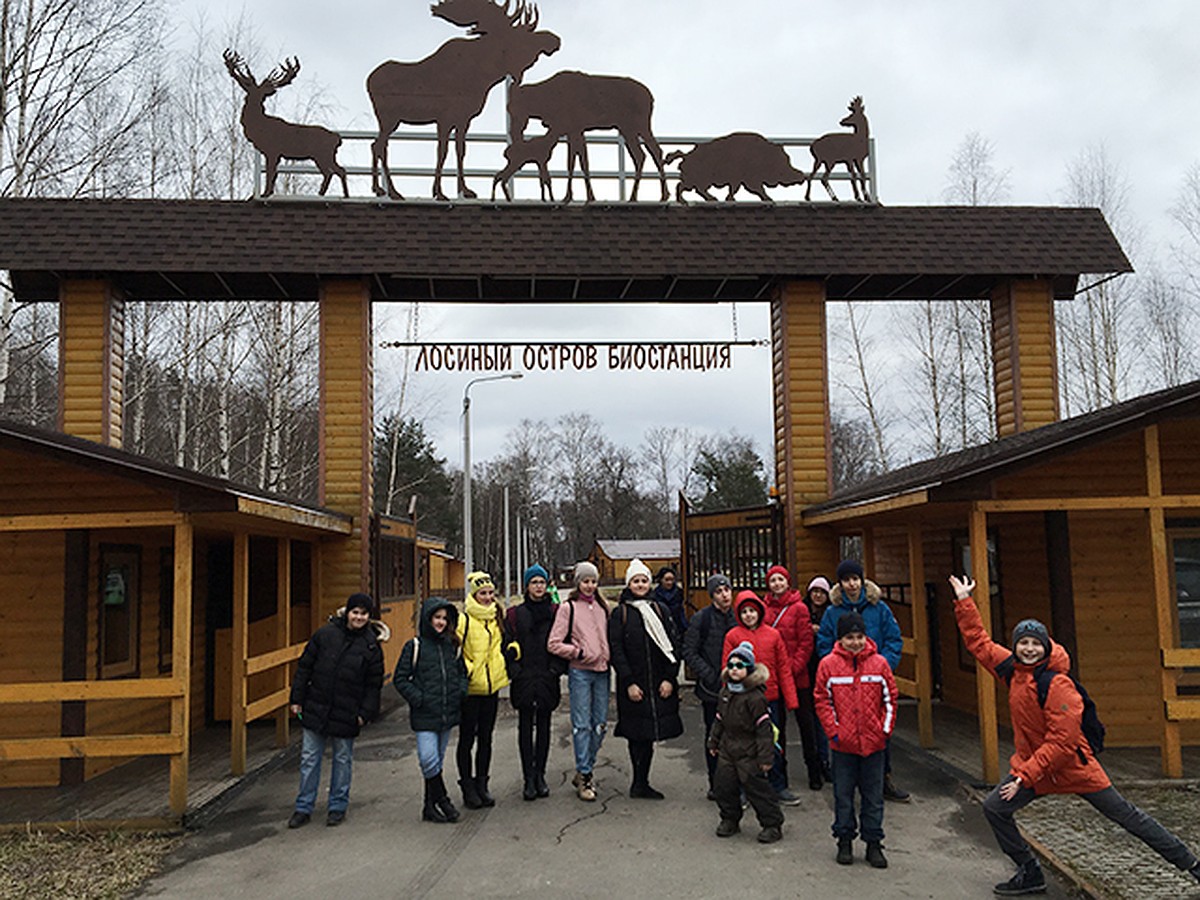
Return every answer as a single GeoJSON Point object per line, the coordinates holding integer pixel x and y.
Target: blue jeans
{"type": "Point", "coordinates": [589, 715]}
{"type": "Point", "coordinates": [312, 748]}
{"type": "Point", "coordinates": [431, 751]}
{"type": "Point", "coordinates": [866, 774]}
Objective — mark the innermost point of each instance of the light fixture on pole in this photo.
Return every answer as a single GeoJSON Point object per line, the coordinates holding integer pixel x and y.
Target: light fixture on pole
{"type": "Point", "coordinates": [468, 542]}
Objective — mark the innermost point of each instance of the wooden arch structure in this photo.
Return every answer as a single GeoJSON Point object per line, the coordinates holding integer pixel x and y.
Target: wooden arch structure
{"type": "Point", "coordinates": [90, 256]}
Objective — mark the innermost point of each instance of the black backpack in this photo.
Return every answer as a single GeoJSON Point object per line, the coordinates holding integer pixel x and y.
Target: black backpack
{"type": "Point", "coordinates": [1091, 726]}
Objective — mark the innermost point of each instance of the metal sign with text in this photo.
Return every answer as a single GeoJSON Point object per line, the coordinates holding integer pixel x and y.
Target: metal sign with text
{"type": "Point", "coordinates": [559, 356]}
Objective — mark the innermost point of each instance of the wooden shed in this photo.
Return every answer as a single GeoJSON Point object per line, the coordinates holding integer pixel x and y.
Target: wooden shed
{"type": "Point", "coordinates": [1091, 524]}
{"type": "Point", "coordinates": [612, 557]}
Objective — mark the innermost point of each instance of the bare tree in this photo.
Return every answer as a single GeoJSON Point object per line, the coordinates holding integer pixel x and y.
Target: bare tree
{"type": "Point", "coordinates": [860, 383]}
{"type": "Point", "coordinates": [668, 454]}
{"type": "Point", "coordinates": [972, 178]}
{"type": "Point", "coordinates": [1168, 336]}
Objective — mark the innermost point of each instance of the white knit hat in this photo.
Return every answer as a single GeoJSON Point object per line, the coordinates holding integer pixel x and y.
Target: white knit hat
{"type": "Point", "coordinates": [636, 567]}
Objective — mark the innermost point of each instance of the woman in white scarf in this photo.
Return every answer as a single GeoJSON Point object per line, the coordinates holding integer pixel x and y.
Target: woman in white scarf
{"type": "Point", "coordinates": [642, 644]}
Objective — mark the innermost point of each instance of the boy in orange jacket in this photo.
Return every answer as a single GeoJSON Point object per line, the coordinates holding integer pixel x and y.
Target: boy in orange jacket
{"type": "Point", "coordinates": [855, 696]}
{"type": "Point", "coordinates": [1051, 756]}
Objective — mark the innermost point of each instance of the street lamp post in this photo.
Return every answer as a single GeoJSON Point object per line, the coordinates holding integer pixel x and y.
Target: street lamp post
{"type": "Point", "coordinates": [468, 541]}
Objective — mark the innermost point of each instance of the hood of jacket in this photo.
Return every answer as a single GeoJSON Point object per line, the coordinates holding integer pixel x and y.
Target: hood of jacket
{"type": "Point", "coordinates": [750, 597]}
{"type": "Point", "coordinates": [870, 588]}
{"type": "Point", "coordinates": [868, 650]}
{"type": "Point", "coordinates": [1057, 660]}
{"type": "Point", "coordinates": [428, 608]}
{"type": "Point", "coordinates": [382, 632]}
{"type": "Point", "coordinates": [757, 676]}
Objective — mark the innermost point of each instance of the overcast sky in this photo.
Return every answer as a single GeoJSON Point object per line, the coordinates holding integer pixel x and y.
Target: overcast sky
{"type": "Point", "coordinates": [1042, 81]}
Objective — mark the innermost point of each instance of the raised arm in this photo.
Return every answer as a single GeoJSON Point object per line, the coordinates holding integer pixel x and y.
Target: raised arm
{"type": "Point", "coordinates": [974, 634]}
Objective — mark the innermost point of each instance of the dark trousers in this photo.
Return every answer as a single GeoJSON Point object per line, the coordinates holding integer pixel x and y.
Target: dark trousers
{"type": "Point", "coordinates": [475, 728]}
{"type": "Point", "coordinates": [1108, 802]}
{"type": "Point", "coordinates": [533, 739]}
{"type": "Point", "coordinates": [864, 773]}
{"type": "Point", "coordinates": [806, 719]}
{"type": "Point", "coordinates": [778, 776]}
{"type": "Point", "coordinates": [641, 754]}
{"type": "Point", "coordinates": [710, 716]}
{"type": "Point", "coordinates": [732, 779]}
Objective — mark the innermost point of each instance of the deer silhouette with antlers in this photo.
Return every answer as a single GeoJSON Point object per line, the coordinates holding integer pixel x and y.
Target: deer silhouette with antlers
{"type": "Point", "coordinates": [850, 149]}
{"type": "Point", "coordinates": [450, 87]}
{"type": "Point", "coordinates": [276, 138]}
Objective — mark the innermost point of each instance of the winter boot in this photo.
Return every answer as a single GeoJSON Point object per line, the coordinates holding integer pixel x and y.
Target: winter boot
{"type": "Point", "coordinates": [585, 787]}
{"type": "Point", "coordinates": [894, 793]}
{"type": "Point", "coordinates": [875, 855]}
{"type": "Point", "coordinates": [1195, 871]}
{"type": "Point", "coordinates": [431, 812]}
{"type": "Point", "coordinates": [727, 828]}
{"type": "Point", "coordinates": [815, 781]}
{"type": "Point", "coordinates": [770, 834]}
{"type": "Point", "coordinates": [1028, 880]}
{"type": "Point", "coordinates": [485, 797]}
{"type": "Point", "coordinates": [845, 853]}
{"type": "Point", "coordinates": [471, 798]}
{"type": "Point", "coordinates": [442, 799]}
{"type": "Point", "coordinates": [530, 791]}
{"type": "Point", "coordinates": [539, 782]}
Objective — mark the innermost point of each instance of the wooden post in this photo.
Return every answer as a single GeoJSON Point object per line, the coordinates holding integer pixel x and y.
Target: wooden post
{"type": "Point", "coordinates": [240, 652]}
{"type": "Point", "coordinates": [924, 670]}
{"type": "Point", "coordinates": [868, 550]}
{"type": "Point", "coordinates": [1160, 571]}
{"type": "Point", "coordinates": [76, 593]}
{"type": "Point", "coordinates": [181, 666]}
{"type": "Point", "coordinates": [91, 360]}
{"type": "Point", "coordinates": [985, 686]}
{"type": "Point", "coordinates": [283, 629]}
{"type": "Point", "coordinates": [800, 373]}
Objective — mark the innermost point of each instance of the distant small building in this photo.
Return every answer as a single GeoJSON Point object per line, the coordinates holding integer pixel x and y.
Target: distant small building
{"type": "Point", "coordinates": [612, 557]}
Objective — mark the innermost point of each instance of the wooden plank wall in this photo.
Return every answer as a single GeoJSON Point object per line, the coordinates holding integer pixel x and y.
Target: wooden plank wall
{"type": "Point", "coordinates": [1177, 441]}
{"type": "Point", "coordinates": [31, 642]}
{"type": "Point", "coordinates": [91, 361]}
{"type": "Point", "coordinates": [1114, 468]}
{"type": "Point", "coordinates": [36, 485]}
{"type": "Point", "coordinates": [1023, 352]}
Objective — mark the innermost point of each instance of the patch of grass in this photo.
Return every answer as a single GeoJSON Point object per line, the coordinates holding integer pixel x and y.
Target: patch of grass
{"type": "Point", "coordinates": [79, 866]}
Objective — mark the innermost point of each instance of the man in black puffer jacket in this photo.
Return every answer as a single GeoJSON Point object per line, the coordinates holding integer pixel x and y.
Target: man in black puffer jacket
{"type": "Point", "coordinates": [335, 693]}
{"type": "Point", "coordinates": [702, 649]}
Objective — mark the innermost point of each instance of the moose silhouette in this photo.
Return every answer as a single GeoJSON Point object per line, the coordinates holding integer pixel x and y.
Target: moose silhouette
{"type": "Point", "coordinates": [276, 138]}
{"type": "Point", "coordinates": [850, 149]}
{"type": "Point", "coordinates": [570, 103]}
{"type": "Point", "coordinates": [534, 150]}
{"type": "Point", "coordinates": [450, 87]}
{"type": "Point", "coordinates": [743, 159]}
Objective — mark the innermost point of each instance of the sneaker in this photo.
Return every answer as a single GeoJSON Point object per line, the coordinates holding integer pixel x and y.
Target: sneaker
{"type": "Point", "coordinates": [727, 828]}
{"type": "Point", "coordinates": [585, 787]}
{"type": "Point", "coordinates": [335, 818]}
{"type": "Point", "coordinates": [875, 856]}
{"type": "Point", "coordinates": [845, 851]}
{"type": "Point", "coordinates": [770, 834]}
{"type": "Point", "coordinates": [298, 820]}
{"type": "Point", "coordinates": [787, 798]}
{"type": "Point", "coordinates": [1028, 880]}
{"type": "Point", "coordinates": [893, 793]}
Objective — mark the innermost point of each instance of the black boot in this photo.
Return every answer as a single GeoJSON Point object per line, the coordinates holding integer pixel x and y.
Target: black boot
{"type": "Point", "coordinates": [539, 782]}
{"type": "Point", "coordinates": [431, 812]}
{"type": "Point", "coordinates": [530, 791]}
{"type": "Point", "coordinates": [442, 799]}
{"type": "Point", "coordinates": [875, 855]}
{"type": "Point", "coordinates": [1195, 871]}
{"type": "Point", "coordinates": [471, 798]}
{"type": "Point", "coordinates": [481, 785]}
{"type": "Point", "coordinates": [845, 854]}
{"type": "Point", "coordinates": [1028, 880]}
{"type": "Point", "coordinates": [815, 781]}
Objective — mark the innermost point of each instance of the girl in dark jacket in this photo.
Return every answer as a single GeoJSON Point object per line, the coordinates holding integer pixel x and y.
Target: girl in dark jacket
{"type": "Point", "coordinates": [643, 653]}
{"type": "Point", "coordinates": [335, 693]}
{"type": "Point", "coordinates": [535, 674]}
{"type": "Point", "coordinates": [432, 678]}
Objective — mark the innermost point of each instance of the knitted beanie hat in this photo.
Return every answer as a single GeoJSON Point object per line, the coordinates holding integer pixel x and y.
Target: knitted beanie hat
{"type": "Point", "coordinates": [743, 651]}
{"type": "Point", "coordinates": [478, 580]}
{"type": "Point", "coordinates": [716, 582]}
{"type": "Point", "coordinates": [1034, 629]}
{"type": "Point", "coordinates": [818, 582]}
{"type": "Point", "coordinates": [850, 623]}
{"type": "Point", "coordinates": [849, 567]}
{"type": "Point", "coordinates": [636, 567]}
{"type": "Point", "coordinates": [585, 570]}
{"type": "Point", "coordinates": [779, 570]}
{"type": "Point", "coordinates": [361, 601]}
{"type": "Point", "coordinates": [534, 571]}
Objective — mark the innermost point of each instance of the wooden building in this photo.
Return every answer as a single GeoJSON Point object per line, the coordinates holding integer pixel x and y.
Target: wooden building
{"type": "Point", "coordinates": [612, 557]}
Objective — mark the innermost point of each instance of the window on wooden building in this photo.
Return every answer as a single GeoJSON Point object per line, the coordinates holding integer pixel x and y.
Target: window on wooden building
{"type": "Point", "coordinates": [120, 592]}
{"type": "Point", "coordinates": [1185, 585]}
{"type": "Point", "coordinates": [962, 557]}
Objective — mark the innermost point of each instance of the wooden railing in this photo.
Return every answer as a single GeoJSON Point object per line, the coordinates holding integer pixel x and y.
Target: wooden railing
{"type": "Point", "coordinates": [1181, 709]}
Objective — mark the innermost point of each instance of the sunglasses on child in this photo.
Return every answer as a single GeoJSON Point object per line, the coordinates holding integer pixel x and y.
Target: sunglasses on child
{"type": "Point", "coordinates": [738, 664]}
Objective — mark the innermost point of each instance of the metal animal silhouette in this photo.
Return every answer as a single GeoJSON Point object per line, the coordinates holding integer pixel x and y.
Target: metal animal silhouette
{"type": "Point", "coordinates": [743, 159]}
{"type": "Point", "coordinates": [534, 150]}
{"type": "Point", "coordinates": [276, 138]}
{"type": "Point", "coordinates": [850, 149]}
{"type": "Point", "coordinates": [450, 87]}
{"type": "Point", "coordinates": [571, 103]}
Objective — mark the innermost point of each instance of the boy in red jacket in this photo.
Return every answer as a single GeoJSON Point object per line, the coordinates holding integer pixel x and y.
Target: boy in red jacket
{"type": "Point", "coordinates": [769, 650]}
{"type": "Point", "coordinates": [855, 697]}
{"type": "Point", "coordinates": [1051, 754]}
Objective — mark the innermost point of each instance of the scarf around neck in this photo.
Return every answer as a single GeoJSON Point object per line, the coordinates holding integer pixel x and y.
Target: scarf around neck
{"type": "Point", "coordinates": [654, 627]}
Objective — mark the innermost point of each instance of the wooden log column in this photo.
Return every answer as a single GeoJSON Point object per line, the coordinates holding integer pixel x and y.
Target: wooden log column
{"type": "Point", "coordinates": [800, 373]}
{"type": "Point", "coordinates": [347, 435]}
{"type": "Point", "coordinates": [1023, 353]}
{"type": "Point", "coordinates": [91, 363]}
{"type": "Point", "coordinates": [985, 685]}
{"type": "Point", "coordinates": [181, 665]}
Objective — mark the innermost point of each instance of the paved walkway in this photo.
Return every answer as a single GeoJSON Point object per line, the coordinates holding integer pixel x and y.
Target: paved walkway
{"type": "Point", "coordinates": [938, 845]}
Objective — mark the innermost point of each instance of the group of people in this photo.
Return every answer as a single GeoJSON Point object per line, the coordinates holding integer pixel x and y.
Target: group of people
{"type": "Point", "coordinates": [828, 655]}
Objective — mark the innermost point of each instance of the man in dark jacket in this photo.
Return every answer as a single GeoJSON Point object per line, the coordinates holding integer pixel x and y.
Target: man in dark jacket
{"type": "Point", "coordinates": [335, 693]}
{"type": "Point", "coordinates": [702, 645]}
{"type": "Point", "coordinates": [670, 594]}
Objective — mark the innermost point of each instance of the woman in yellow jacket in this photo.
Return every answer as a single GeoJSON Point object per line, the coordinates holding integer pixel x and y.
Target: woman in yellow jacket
{"type": "Point", "coordinates": [481, 631]}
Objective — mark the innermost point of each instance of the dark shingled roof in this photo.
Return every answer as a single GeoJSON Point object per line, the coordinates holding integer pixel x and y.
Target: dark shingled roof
{"type": "Point", "coordinates": [944, 473]}
{"type": "Point", "coordinates": [163, 249]}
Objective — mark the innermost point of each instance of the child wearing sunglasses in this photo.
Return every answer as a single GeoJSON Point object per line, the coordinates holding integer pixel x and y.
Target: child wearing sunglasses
{"type": "Point", "coordinates": [743, 740]}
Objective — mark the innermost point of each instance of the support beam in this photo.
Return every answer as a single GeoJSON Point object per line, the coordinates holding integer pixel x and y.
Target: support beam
{"type": "Point", "coordinates": [283, 629]}
{"type": "Point", "coordinates": [181, 665]}
{"type": "Point", "coordinates": [924, 670]}
{"type": "Point", "coordinates": [1023, 355]}
{"type": "Point", "coordinates": [240, 652]}
{"type": "Point", "coordinates": [985, 685]}
{"type": "Point", "coordinates": [91, 360]}
{"type": "Point", "coordinates": [76, 578]}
